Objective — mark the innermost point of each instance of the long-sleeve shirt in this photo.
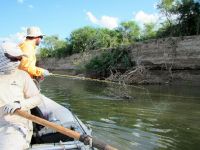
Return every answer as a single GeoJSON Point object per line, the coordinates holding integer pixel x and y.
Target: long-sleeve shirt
{"type": "Point", "coordinates": [29, 63]}
{"type": "Point", "coordinates": [18, 86]}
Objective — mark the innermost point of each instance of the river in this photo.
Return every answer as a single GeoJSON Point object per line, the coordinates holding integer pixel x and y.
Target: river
{"type": "Point", "coordinates": [153, 118]}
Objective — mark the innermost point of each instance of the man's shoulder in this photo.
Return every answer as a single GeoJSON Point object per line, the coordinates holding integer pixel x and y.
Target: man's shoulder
{"type": "Point", "coordinates": [23, 73]}
{"type": "Point", "coordinates": [26, 46]}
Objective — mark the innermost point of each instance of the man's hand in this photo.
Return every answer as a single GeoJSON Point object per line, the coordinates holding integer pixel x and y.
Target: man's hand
{"type": "Point", "coordinates": [10, 108]}
{"type": "Point", "coordinates": [46, 73]}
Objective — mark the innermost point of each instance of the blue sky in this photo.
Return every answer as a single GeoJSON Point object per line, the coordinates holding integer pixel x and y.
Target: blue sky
{"type": "Point", "coordinates": [61, 17]}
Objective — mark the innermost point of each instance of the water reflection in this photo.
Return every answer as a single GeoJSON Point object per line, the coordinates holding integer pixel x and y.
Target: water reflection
{"type": "Point", "coordinates": [159, 117]}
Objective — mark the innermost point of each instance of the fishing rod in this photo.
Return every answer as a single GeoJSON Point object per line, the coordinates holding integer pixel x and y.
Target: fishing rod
{"type": "Point", "coordinates": [117, 83]}
{"type": "Point", "coordinates": [81, 78]}
{"type": "Point", "coordinates": [97, 80]}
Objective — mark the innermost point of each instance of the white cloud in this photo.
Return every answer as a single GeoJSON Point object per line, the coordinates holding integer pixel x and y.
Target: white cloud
{"type": "Point", "coordinates": [109, 22]}
{"type": "Point", "coordinates": [20, 1]}
{"type": "Point", "coordinates": [17, 37]}
{"type": "Point", "coordinates": [92, 18]}
{"type": "Point", "coordinates": [105, 21]}
{"type": "Point", "coordinates": [141, 17]}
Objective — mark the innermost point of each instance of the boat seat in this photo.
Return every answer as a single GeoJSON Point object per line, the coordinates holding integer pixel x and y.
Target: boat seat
{"type": "Point", "coordinates": [37, 112]}
{"type": "Point", "coordinates": [50, 138]}
{"type": "Point", "coordinates": [53, 137]}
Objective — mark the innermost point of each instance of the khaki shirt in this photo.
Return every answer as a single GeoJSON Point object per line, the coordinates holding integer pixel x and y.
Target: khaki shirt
{"type": "Point", "coordinates": [18, 86]}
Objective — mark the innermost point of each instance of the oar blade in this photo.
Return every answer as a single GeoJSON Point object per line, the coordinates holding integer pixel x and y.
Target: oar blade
{"type": "Point", "coordinates": [101, 145]}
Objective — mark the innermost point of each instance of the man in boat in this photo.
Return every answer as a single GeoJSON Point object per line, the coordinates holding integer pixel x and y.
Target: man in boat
{"type": "Point", "coordinates": [28, 47]}
{"type": "Point", "coordinates": [18, 91]}
{"type": "Point", "coordinates": [28, 64]}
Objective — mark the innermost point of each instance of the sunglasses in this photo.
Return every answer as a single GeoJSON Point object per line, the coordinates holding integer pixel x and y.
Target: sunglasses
{"type": "Point", "coordinates": [13, 58]}
{"type": "Point", "coordinates": [40, 37]}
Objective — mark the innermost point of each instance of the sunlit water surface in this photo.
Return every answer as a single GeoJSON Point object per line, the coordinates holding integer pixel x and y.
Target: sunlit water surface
{"type": "Point", "coordinates": [154, 118]}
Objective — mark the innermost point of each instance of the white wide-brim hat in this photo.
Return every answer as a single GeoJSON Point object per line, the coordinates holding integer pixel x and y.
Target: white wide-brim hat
{"type": "Point", "coordinates": [34, 32]}
{"type": "Point", "coordinates": [10, 48]}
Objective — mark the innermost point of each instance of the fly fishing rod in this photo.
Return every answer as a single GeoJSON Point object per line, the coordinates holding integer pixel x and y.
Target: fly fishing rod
{"type": "Point", "coordinates": [90, 79]}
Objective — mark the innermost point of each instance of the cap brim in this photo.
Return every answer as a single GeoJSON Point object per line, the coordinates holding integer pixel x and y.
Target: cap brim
{"type": "Point", "coordinates": [35, 35]}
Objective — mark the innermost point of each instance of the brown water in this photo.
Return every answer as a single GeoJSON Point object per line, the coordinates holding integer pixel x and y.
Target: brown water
{"type": "Point", "coordinates": [157, 118]}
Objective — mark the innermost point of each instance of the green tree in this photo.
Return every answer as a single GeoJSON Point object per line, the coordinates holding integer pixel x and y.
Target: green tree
{"type": "Point", "coordinates": [83, 39]}
{"type": "Point", "coordinates": [165, 30]}
{"type": "Point", "coordinates": [52, 46]}
{"type": "Point", "coordinates": [130, 31]}
{"type": "Point", "coordinates": [187, 20]}
{"type": "Point", "coordinates": [188, 16]}
{"type": "Point", "coordinates": [113, 60]}
{"type": "Point", "coordinates": [149, 31]}
{"type": "Point", "coordinates": [88, 38]}
{"type": "Point", "coordinates": [107, 38]}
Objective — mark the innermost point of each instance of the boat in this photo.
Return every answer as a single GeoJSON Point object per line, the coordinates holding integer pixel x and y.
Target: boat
{"type": "Point", "coordinates": [47, 139]}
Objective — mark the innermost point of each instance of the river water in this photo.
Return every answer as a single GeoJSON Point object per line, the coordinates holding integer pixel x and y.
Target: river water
{"type": "Point", "coordinates": [151, 118]}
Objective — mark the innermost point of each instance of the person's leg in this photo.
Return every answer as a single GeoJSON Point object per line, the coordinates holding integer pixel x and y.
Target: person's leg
{"type": "Point", "coordinates": [12, 139]}
{"type": "Point", "coordinates": [37, 83]}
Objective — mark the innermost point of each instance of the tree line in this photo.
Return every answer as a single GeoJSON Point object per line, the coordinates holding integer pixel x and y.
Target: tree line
{"type": "Point", "coordinates": [182, 18]}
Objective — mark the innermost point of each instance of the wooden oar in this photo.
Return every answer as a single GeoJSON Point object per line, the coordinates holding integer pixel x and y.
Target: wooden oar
{"type": "Point", "coordinates": [73, 134]}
